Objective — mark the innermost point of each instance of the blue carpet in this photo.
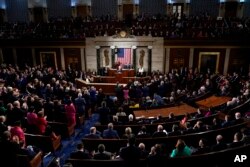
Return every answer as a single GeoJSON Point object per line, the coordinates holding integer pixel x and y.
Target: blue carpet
{"type": "Point", "coordinates": [69, 145]}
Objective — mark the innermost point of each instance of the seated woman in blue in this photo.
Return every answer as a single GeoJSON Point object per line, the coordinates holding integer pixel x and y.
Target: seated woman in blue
{"type": "Point", "coordinates": [181, 149]}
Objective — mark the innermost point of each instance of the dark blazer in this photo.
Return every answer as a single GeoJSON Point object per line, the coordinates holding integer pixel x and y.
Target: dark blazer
{"type": "Point", "coordinates": [92, 136]}
{"type": "Point", "coordinates": [202, 150]}
{"type": "Point", "coordinates": [159, 134]}
{"type": "Point", "coordinates": [110, 134]}
{"type": "Point", "coordinates": [102, 156]}
{"type": "Point", "coordinates": [79, 155]}
{"type": "Point", "coordinates": [218, 147]}
{"type": "Point", "coordinates": [236, 144]}
{"type": "Point", "coordinates": [8, 153]}
{"type": "Point", "coordinates": [130, 155]}
{"type": "Point", "coordinates": [3, 128]}
{"type": "Point", "coordinates": [156, 160]}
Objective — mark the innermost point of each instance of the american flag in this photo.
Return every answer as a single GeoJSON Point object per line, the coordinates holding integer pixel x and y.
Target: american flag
{"type": "Point", "coordinates": [124, 55]}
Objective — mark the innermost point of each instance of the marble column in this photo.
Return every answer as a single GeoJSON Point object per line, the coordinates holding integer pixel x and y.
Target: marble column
{"type": "Point", "coordinates": [191, 57]}
{"type": "Point", "coordinates": [83, 59]}
{"type": "Point", "coordinates": [134, 57]}
{"type": "Point", "coordinates": [62, 58]}
{"type": "Point", "coordinates": [112, 55]}
{"type": "Point", "coordinates": [98, 58]}
{"type": "Point", "coordinates": [167, 59]}
{"type": "Point", "coordinates": [149, 59]}
{"type": "Point", "coordinates": [14, 56]}
{"type": "Point", "coordinates": [226, 61]}
{"type": "Point", "coordinates": [33, 56]}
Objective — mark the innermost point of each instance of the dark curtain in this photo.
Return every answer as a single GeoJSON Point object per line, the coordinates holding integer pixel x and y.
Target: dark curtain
{"type": "Point", "coordinates": [246, 8]}
{"type": "Point", "coordinates": [201, 6]}
{"type": "Point", "coordinates": [17, 11]}
{"type": "Point", "coordinates": [134, 59]}
{"type": "Point", "coordinates": [149, 61]}
{"type": "Point", "coordinates": [152, 7]}
{"type": "Point", "coordinates": [59, 8]}
{"type": "Point", "coordinates": [104, 8]}
{"type": "Point", "coordinates": [98, 60]}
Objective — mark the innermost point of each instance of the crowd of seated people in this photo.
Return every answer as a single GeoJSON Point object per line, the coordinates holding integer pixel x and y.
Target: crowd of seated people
{"type": "Point", "coordinates": [200, 26]}
{"type": "Point", "coordinates": [41, 93]}
{"type": "Point", "coordinates": [132, 153]}
{"type": "Point", "coordinates": [164, 128]}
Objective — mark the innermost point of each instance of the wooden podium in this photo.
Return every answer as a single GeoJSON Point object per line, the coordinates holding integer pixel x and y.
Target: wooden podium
{"type": "Point", "coordinates": [124, 72]}
{"type": "Point", "coordinates": [114, 76]}
{"type": "Point", "coordinates": [119, 76]}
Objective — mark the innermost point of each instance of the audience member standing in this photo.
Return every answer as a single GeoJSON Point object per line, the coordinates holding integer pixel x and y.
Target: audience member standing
{"type": "Point", "coordinates": [131, 153]}
{"type": "Point", "coordinates": [80, 104]}
{"type": "Point", "coordinates": [8, 150]}
{"type": "Point", "coordinates": [17, 130]}
{"type": "Point", "coordinates": [70, 113]}
{"type": "Point", "coordinates": [104, 112]}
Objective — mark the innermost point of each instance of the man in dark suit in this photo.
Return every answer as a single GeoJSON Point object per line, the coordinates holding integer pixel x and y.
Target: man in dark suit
{"type": "Point", "coordinates": [8, 150]}
{"type": "Point", "coordinates": [110, 133]}
{"type": "Point", "coordinates": [92, 134]}
{"type": "Point", "coordinates": [3, 127]}
{"type": "Point", "coordinates": [80, 104]}
{"type": "Point", "coordinates": [220, 145]}
{"type": "Point", "coordinates": [80, 153]}
{"type": "Point", "coordinates": [130, 154]}
{"type": "Point", "coordinates": [102, 154]}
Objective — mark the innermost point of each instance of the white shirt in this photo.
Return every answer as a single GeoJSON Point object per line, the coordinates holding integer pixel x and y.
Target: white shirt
{"type": "Point", "coordinates": [141, 70]}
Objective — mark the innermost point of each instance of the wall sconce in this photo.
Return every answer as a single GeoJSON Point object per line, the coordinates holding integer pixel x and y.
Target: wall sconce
{"type": "Point", "coordinates": [150, 47]}
{"type": "Point", "coordinates": [242, 1]}
{"type": "Point", "coordinates": [170, 2]}
{"type": "Point", "coordinates": [97, 47]}
{"type": "Point", "coordinates": [112, 47]}
{"type": "Point", "coordinates": [222, 2]}
{"type": "Point", "coordinates": [134, 47]}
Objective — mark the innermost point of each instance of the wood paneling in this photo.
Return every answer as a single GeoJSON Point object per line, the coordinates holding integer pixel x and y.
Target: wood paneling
{"type": "Point", "coordinates": [179, 57]}
{"type": "Point", "coordinates": [56, 50]}
{"type": "Point", "coordinates": [24, 56]}
{"type": "Point", "coordinates": [231, 9]}
{"type": "Point", "coordinates": [82, 10]}
{"type": "Point", "coordinates": [8, 56]}
{"type": "Point", "coordinates": [221, 61]}
{"type": "Point", "coordinates": [72, 57]}
{"type": "Point", "coordinates": [2, 15]}
{"type": "Point", "coordinates": [39, 14]}
{"type": "Point", "coordinates": [239, 60]}
{"type": "Point", "coordinates": [128, 12]}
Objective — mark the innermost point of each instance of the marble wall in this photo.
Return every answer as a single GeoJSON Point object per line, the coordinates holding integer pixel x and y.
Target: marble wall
{"type": "Point", "coordinates": [141, 43]}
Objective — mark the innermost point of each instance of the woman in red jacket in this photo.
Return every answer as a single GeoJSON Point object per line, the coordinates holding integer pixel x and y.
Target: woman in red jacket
{"type": "Point", "coordinates": [70, 113]}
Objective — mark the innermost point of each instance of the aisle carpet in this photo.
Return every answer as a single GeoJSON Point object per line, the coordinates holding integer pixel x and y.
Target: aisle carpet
{"type": "Point", "coordinates": [69, 145]}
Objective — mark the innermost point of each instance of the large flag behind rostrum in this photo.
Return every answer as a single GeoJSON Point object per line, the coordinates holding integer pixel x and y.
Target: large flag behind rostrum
{"type": "Point", "coordinates": [124, 55]}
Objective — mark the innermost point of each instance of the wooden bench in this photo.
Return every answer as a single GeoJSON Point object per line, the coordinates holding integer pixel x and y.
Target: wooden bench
{"type": "Point", "coordinates": [62, 129]}
{"type": "Point", "coordinates": [100, 163]}
{"type": "Point", "coordinates": [240, 108]}
{"type": "Point", "coordinates": [24, 160]}
{"type": "Point", "coordinates": [152, 127]}
{"type": "Point", "coordinates": [113, 145]}
{"type": "Point", "coordinates": [45, 143]}
{"type": "Point", "coordinates": [220, 159]}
